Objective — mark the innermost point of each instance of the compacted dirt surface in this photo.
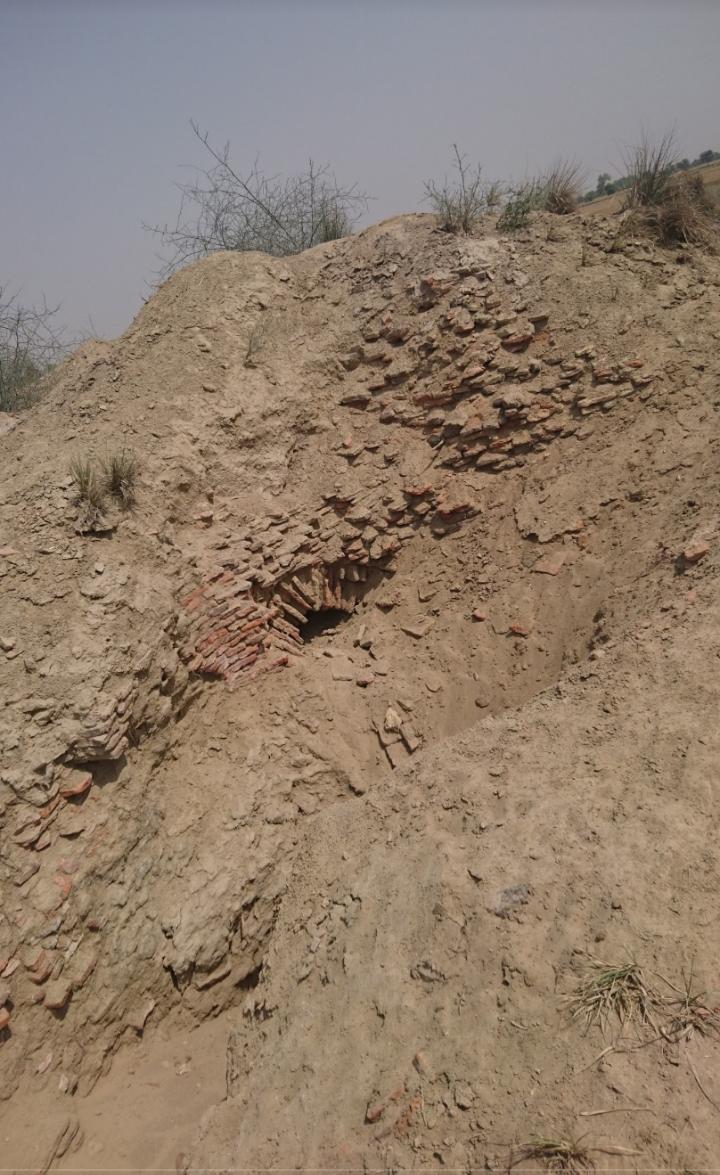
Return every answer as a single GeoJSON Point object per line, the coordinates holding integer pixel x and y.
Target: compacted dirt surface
{"type": "Point", "coordinates": [358, 769]}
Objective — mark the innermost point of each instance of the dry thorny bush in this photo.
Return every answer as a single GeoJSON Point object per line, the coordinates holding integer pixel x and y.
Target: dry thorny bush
{"type": "Point", "coordinates": [459, 203]}
{"type": "Point", "coordinates": [30, 344]}
{"type": "Point", "coordinates": [223, 208]}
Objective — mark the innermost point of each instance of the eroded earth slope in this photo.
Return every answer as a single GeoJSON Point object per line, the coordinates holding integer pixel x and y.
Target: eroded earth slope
{"type": "Point", "coordinates": [391, 697]}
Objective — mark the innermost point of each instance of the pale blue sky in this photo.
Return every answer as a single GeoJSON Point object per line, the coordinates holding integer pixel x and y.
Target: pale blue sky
{"type": "Point", "coordinates": [96, 96]}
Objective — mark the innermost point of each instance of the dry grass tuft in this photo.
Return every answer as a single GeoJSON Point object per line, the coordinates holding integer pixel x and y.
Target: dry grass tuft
{"type": "Point", "coordinates": [608, 993]}
{"type": "Point", "coordinates": [556, 1154]}
{"type": "Point", "coordinates": [120, 476]}
{"type": "Point", "coordinates": [650, 166]}
{"type": "Point", "coordinates": [689, 1012]}
{"type": "Point", "coordinates": [562, 187]}
{"type": "Point", "coordinates": [673, 206]}
{"type": "Point", "coordinates": [687, 215]}
{"type": "Point", "coordinates": [87, 482]}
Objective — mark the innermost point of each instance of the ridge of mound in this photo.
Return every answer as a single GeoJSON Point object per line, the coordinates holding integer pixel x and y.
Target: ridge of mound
{"type": "Point", "coordinates": [390, 491]}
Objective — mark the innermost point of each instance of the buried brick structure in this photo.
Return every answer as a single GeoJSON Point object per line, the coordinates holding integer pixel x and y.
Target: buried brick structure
{"type": "Point", "coordinates": [247, 616]}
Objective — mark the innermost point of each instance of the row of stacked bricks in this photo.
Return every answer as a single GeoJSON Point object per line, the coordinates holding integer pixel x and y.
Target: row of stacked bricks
{"type": "Point", "coordinates": [229, 626]}
{"type": "Point", "coordinates": [235, 635]}
{"type": "Point", "coordinates": [245, 620]}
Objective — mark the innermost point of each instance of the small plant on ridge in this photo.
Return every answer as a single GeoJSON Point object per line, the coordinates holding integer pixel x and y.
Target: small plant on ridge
{"type": "Point", "coordinates": [120, 476]}
{"type": "Point", "coordinates": [87, 483]}
{"type": "Point", "coordinates": [460, 203]}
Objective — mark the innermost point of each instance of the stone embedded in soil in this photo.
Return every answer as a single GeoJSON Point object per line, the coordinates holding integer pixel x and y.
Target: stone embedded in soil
{"type": "Point", "coordinates": [695, 550]}
{"type": "Point", "coordinates": [341, 675]}
{"type": "Point", "coordinates": [464, 1096]}
{"type": "Point", "coordinates": [397, 754]}
{"type": "Point", "coordinates": [57, 994]}
{"type": "Point", "coordinates": [418, 631]}
{"type": "Point", "coordinates": [374, 1112]}
{"type": "Point", "coordinates": [507, 901]}
{"type": "Point", "coordinates": [392, 721]}
{"type": "Point", "coordinates": [519, 630]}
{"type": "Point", "coordinates": [427, 972]}
{"type": "Point", "coordinates": [410, 737]}
{"type": "Point", "coordinates": [138, 1017]}
{"type": "Point", "coordinates": [422, 1064]}
{"type": "Point", "coordinates": [550, 563]}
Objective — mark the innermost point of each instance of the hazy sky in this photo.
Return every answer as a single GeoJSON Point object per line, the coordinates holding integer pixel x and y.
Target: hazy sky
{"type": "Point", "coordinates": [96, 96]}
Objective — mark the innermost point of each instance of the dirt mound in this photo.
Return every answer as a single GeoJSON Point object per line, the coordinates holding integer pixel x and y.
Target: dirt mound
{"type": "Point", "coordinates": [390, 693]}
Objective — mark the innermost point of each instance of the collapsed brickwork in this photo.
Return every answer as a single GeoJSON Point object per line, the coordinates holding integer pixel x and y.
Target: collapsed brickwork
{"type": "Point", "coordinates": [482, 380]}
{"type": "Point", "coordinates": [244, 618]}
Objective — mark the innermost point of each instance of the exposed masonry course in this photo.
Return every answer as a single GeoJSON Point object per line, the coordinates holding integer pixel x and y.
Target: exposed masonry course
{"type": "Point", "coordinates": [483, 382]}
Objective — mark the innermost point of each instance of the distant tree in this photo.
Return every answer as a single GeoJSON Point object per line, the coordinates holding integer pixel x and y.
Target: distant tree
{"type": "Point", "coordinates": [30, 343]}
{"type": "Point", "coordinates": [223, 208]}
{"type": "Point", "coordinates": [707, 156]}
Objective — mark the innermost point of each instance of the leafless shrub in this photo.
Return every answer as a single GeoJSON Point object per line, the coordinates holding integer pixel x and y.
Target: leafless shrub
{"type": "Point", "coordinates": [223, 208]}
{"type": "Point", "coordinates": [494, 192]}
{"type": "Point", "coordinates": [30, 343]}
{"type": "Point", "coordinates": [460, 202]}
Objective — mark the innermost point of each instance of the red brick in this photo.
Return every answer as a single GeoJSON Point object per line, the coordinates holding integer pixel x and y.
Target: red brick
{"type": "Point", "coordinates": [63, 883]}
{"type": "Point", "coordinates": [212, 639]}
{"type": "Point", "coordinates": [78, 788]}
